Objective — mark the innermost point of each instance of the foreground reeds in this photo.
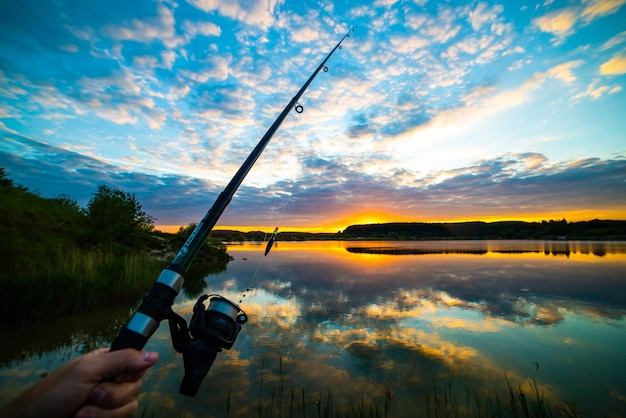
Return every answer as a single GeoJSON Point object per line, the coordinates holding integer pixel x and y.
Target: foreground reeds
{"type": "Point", "coordinates": [73, 281]}
{"type": "Point", "coordinates": [521, 399]}
{"type": "Point", "coordinates": [445, 399]}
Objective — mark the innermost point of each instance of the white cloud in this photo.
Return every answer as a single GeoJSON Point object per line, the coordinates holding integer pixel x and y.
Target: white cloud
{"type": "Point", "coordinates": [560, 23]}
{"type": "Point", "coordinates": [83, 33]}
{"type": "Point", "coordinates": [563, 71]}
{"type": "Point", "coordinates": [620, 38]}
{"type": "Point", "coordinates": [470, 45]}
{"type": "Point", "coordinates": [168, 58]}
{"type": "Point", "coordinates": [481, 15]}
{"type": "Point", "coordinates": [201, 28]}
{"type": "Point", "coordinates": [305, 29]}
{"type": "Point", "coordinates": [218, 71]}
{"type": "Point", "coordinates": [251, 73]}
{"type": "Point", "coordinates": [593, 91]}
{"type": "Point", "coordinates": [385, 3]}
{"type": "Point", "coordinates": [5, 128]}
{"type": "Point", "coordinates": [69, 48]}
{"type": "Point", "coordinates": [408, 44]}
{"type": "Point", "coordinates": [599, 8]}
{"type": "Point", "coordinates": [441, 33]}
{"type": "Point", "coordinates": [160, 28]}
{"type": "Point", "coordinates": [119, 116]}
{"type": "Point", "coordinates": [145, 61]}
{"type": "Point", "coordinates": [415, 21]}
{"type": "Point", "coordinates": [260, 14]}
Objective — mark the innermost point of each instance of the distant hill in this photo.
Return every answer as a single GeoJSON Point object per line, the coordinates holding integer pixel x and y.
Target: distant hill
{"type": "Point", "coordinates": [232, 235]}
{"type": "Point", "coordinates": [585, 230]}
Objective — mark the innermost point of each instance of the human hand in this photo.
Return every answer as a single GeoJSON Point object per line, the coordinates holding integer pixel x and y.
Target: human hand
{"type": "Point", "coordinates": [102, 383]}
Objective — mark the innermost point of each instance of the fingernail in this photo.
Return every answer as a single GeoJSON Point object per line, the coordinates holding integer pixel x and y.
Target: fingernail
{"type": "Point", "coordinates": [87, 414]}
{"type": "Point", "coordinates": [150, 355]}
{"type": "Point", "coordinates": [96, 396]}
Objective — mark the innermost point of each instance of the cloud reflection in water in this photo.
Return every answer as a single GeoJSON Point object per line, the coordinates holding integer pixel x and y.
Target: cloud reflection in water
{"type": "Point", "coordinates": [365, 324]}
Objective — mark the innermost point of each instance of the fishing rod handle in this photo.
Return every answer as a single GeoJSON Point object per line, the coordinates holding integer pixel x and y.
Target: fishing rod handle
{"type": "Point", "coordinates": [153, 309]}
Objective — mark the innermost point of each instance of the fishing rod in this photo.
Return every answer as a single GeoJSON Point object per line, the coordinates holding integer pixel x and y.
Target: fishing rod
{"type": "Point", "coordinates": [215, 328]}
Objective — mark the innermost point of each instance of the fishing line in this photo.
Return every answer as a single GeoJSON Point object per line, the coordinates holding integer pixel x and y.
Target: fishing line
{"type": "Point", "coordinates": [248, 288]}
{"type": "Point", "coordinates": [271, 216]}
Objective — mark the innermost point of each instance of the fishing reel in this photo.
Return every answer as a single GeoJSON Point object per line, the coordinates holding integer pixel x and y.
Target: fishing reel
{"type": "Point", "coordinates": [210, 330]}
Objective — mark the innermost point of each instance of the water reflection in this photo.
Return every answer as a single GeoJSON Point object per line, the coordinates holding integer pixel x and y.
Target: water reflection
{"type": "Point", "coordinates": [323, 314]}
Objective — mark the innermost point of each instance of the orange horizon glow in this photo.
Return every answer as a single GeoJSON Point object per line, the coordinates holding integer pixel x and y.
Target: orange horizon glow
{"type": "Point", "coordinates": [364, 218]}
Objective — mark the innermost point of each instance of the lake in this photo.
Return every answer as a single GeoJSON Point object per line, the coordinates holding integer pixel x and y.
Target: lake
{"type": "Point", "coordinates": [389, 327]}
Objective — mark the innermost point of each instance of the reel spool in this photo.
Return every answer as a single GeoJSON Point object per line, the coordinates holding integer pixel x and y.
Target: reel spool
{"type": "Point", "coordinates": [210, 331]}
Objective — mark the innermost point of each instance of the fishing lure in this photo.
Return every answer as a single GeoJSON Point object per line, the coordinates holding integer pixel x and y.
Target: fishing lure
{"type": "Point", "coordinates": [270, 242]}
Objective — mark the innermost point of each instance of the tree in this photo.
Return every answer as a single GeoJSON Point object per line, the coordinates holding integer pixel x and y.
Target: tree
{"type": "Point", "coordinates": [116, 217]}
{"type": "Point", "coordinates": [66, 201]}
{"type": "Point", "coordinates": [4, 178]}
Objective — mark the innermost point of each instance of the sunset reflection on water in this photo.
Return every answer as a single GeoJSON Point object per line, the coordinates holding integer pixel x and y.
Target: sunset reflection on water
{"type": "Point", "coordinates": [325, 315]}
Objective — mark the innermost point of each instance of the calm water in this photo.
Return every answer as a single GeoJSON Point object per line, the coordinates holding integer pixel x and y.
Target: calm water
{"type": "Point", "coordinates": [361, 321]}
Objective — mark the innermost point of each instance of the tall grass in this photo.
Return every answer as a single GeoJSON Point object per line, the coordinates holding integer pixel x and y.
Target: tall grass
{"type": "Point", "coordinates": [519, 400]}
{"type": "Point", "coordinates": [75, 280]}
{"type": "Point", "coordinates": [283, 398]}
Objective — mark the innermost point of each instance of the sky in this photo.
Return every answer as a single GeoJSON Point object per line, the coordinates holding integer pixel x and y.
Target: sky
{"type": "Point", "coordinates": [432, 111]}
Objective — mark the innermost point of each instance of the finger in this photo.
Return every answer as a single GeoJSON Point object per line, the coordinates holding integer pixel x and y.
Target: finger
{"type": "Point", "coordinates": [130, 362]}
{"type": "Point", "coordinates": [99, 351]}
{"type": "Point", "coordinates": [125, 411]}
{"type": "Point", "coordinates": [112, 395]}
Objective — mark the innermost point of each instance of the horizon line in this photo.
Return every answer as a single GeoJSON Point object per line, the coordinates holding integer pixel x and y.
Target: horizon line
{"type": "Point", "coordinates": [335, 229]}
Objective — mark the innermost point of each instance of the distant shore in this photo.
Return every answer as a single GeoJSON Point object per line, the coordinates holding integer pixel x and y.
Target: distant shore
{"type": "Point", "coordinates": [611, 230]}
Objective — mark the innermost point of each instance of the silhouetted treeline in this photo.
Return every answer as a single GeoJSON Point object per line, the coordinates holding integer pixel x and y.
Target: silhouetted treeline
{"type": "Point", "coordinates": [230, 235]}
{"type": "Point", "coordinates": [59, 258]}
{"type": "Point", "coordinates": [584, 230]}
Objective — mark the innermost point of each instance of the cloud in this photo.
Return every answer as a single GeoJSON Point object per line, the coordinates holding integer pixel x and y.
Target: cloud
{"type": "Point", "coordinates": [159, 28]}
{"type": "Point", "coordinates": [594, 9]}
{"type": "Point", "coordinates": [481, 15]}
{"type": "Point", "coordinates": [215, 68]}
{"type": "Point", "coordinates": [522, 184]}
{"type": "Point", "coordinates": [4, 128]}
{"type": "Point", "coordinates": [563, 71]}
{"type": "Point", "coordinates": [595, 91]}
{"type": "Point", "coordinates": [260, 14]}
{"type": "Point", "coordinates": [201, 28]}
{"type": "Point", "coordinates": [618, 39]}
{"type": "Point", "coordinates": [615, 66]}
{"type": "Point", "coordinates": [560, 23]}
{"type": "Point", "coordinates": [408, 44]}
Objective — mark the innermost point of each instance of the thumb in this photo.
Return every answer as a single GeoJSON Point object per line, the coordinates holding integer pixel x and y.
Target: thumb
{"type": "Point", "coordinates": [108, 365]}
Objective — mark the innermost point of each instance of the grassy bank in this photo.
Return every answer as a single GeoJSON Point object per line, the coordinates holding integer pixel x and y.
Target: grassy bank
{"type": "Point", "coordinates": [73, 281]}
{"type": "Point", "coordinates": [60, 259]}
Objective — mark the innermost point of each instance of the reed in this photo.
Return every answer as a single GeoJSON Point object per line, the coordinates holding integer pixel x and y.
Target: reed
{"type": "Point", "coordinates": [443, 400]}
{"type": "Point", "coordinates": [75, 280]}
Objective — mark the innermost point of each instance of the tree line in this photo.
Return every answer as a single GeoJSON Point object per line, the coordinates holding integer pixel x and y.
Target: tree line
{"type": "Point", "coordinates": [562, 229]}
{"type": "Point", "coordinates": [59, 258]}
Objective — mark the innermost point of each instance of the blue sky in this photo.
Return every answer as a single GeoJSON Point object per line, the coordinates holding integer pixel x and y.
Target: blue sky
{"type": "Point", "coordinates": [431, 111]}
